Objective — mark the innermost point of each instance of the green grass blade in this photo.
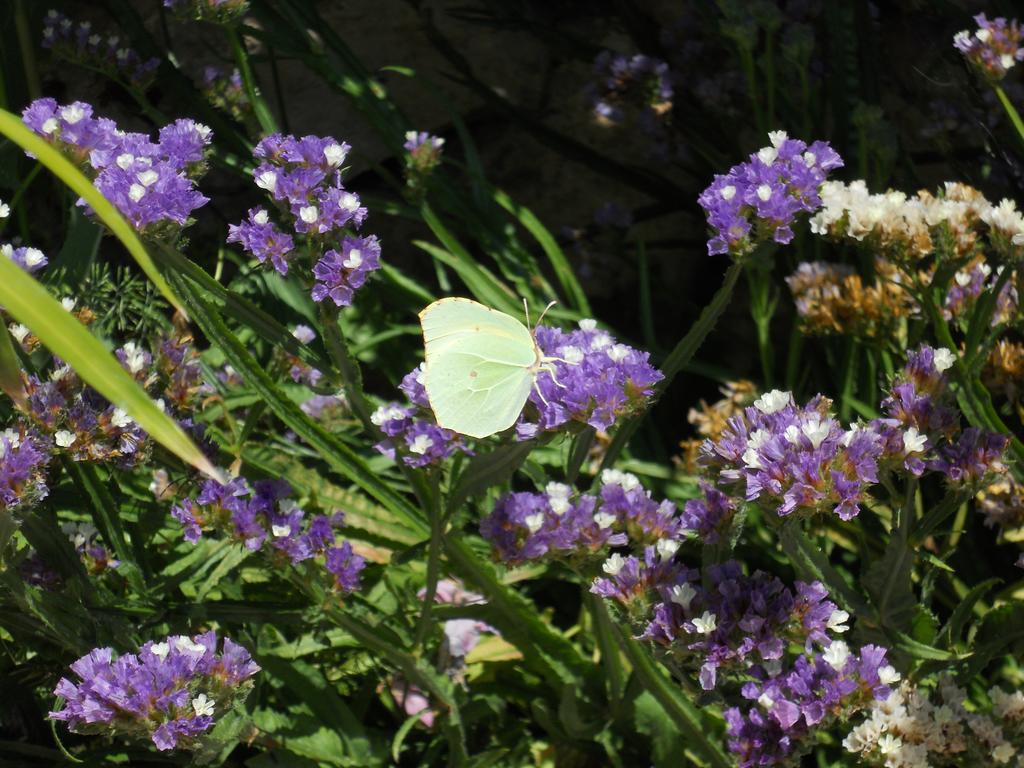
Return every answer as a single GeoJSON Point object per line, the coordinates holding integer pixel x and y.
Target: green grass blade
{"type": "Point", "coordinates": [29, 303]}
{"type": "Point", "coordinates": [10, 370]}
{"type": "Point", "coordinates": [556, 256]}
{"type": "Point", "coordinates": [13, 128]}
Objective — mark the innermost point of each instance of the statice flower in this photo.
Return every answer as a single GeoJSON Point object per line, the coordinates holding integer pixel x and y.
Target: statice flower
{"type": "Point", "coordinates": [710, 516]}
{"type": "Point", "coordinates": [151, 184]}
{"type": "Point", "coordinates": [795, 459]}
{"type": "Point", "coordinates": [760, 199]}
{"type": "Point", "coordinates": [785, 709]}
{"type": "Point", "coordinates": [461, 636]}
{"type": "Point", "coordinates": [263, 516]}
{"type": "Point", "coordinates": [409, 429]}
{"type": "Point", "coordinates": [170, 692]}
{"type": "Point", "coordinates": [262, 238]}
{"type": "Point", "coordinates": [711, 419]}
{"type": "Point", "coordinates": [80, 44]}
{"type": "Point", "coordinates": [560, 523]}
{"type": "Point", "coordinates": [737, 621]}
{"type": "Point", "coordinates": [24, 457]}
{"type": "Point", "coordinates": [915, 727]}
{"type": "Point", "coordinates": [424, 155]}
{"type": "Point", "coordinates": [1001, 502]}
{"type": "Point", "coordinates": [1006, 227]}
{"type": "Point", "coordinates": [300, 371]}
{"type": "Point", "coordinates": [592, 380]}
{"type": "Point", "coordinates": [225, 91]}
{"type": "Point", "coordinates": [969, 283]}
{"type": "Point", "coordinates": [974, 457]}
{"type": "Point", "coordinates": [85, 538]}
{"type": "Point", "coordinates": [632, 581]}
{"type": "Point", "coordinates": [29, 259]}
{"type": "Point", "coordinates": [993, 48]}
{"type": "Point", "coordinates": [340, 274]}
{"type": "Point", "coordinates": [637, 85]}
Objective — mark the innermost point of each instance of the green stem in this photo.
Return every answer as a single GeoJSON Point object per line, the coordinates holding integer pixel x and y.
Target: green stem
{"type": "Point", "coordinates": [683, 713]}
{"type": "Point", "coordinates": [338, 351]}
{"type": "Point", "coordinates": [259, 105]}
{"type": "Point", "coordinates": [1011, 111]}
{"type": "Point", "coordinates": [761, 310]}
{"type": "Point", "coordinates": [433, 560]}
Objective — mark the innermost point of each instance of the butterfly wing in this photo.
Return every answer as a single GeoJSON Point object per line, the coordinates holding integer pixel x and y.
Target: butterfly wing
{"type": "Point", "coordinates": [478, 363]}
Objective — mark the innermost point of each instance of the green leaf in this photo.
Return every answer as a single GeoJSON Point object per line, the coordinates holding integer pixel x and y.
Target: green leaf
{"type": "Point", "coordinates": [486, 470]}
{"type": "Point", "coordinates": [13, 128]}
{"type": "Point", "coordinates": [954, 627]}
{"type": "Point", "coordinates": [29, 303]}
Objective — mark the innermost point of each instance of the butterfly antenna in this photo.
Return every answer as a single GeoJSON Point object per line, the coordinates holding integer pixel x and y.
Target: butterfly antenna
{"type": "Point", "coordinates": [549, 306]}
{"type": "Point", "coordinates": [526, 311]}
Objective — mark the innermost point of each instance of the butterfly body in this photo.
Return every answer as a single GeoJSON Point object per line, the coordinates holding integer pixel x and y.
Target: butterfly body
{"type": "Point", "coordinates": [481, 365]}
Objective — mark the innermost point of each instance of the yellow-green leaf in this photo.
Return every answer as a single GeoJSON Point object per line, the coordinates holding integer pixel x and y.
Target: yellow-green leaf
{"type": "Point", "coordinates": [30, 304]}
{"type": "Point", "coordinates": [13, 128]}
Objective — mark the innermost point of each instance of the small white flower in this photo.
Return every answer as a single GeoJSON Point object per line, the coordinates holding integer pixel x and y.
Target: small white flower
{"type": "Point", "coordinates": [50, 125]}
{"type": "Point", "coordinates": [777, 138]}
{"type": "Point", "coordinates": [728, 192]}
{"type": "Point", "coordinates": [64, 438]}
{"type": "Point", "coordinates": [765, 701]}
{"type": "Point", "coordinates": [792, 434]}
{"type": "Point", "coordinates": [887, 675]}
{"type": "Point", "coordinates": [773, 402]}
{"type": "Point", "coordinates": [353, 260]}
{"type": "Point", "coordinates": [767, 155]}
{"type": "Point", "coordinates": [810, 159]}
{"type": "Point", "coordinates": [1007, 60]}
{"type": "Point", "coordinates": [335, 154]}
{"type": "Point", "coordinates": [204, 131]}
{"type": "Point", "coordinates": [618, 352]}
{"type": "Point", "coordinates": [889, 744]}
{"type": "Point", "coordinates": [68, 303]}
{"type": "Point", "coordinates": [836, 654]}
{"type": "Point", "coordinates": [202, 705]}
{"type": "Point", "coordinates": [348, 201]}
{"type": "Point", "coordinates": [72, 113]}
{"type": "Point", "coordinates": [604, 520]}
{"type": "Point", "coordinates": [588, 324]}
{"type": "Point", "coordinates": [626, 480]}
{"type": "Point", "coordinates": [764, 193]}
{"type": "Point", "coordinates": [160, 650]}
{"type": "Point", "coordinates": [1003, 752]}
{"type": "Point", "coordinates": [5, 210]}
{"type": "Point", "coordinates": [682, 595]}
{"type": "Point", "coordinates": [572, 355]}
{"type": "Point", "coordinates": [963, 279]}
{"type": "Point", "coordinates": [309, 213]}
{"type": "Point", "coordinates": [816, 430]}
{"type": "Point", "coordinates": [837, 621]}
{"type": "Point", "coordinates": [280, 531]}
{"type": "Point", "coordinates": [136, 192]}
{"type": "Point", "coordinates": [421, 444]}
{"type": "Point", "coordinates": [120, 418]}
{"type": "Point", "coordinates": [19, 332]}
{"type": "Point", "coordinates": [261, 217]}
{"type": "Point", "coordinates": [751, 459]}
{"type": "Point", "coordinates": [913, 441]}
{"type": "Point", "coordinates": [134, 356]}
{"type": "Point", "coordinates": [983, 35]}
{"type": "Point", "coordinates": [944, 359]}
{"type": "Point", "coordinates": [558, 497]}
{"type": "Point", "coordinates": [33, 257]}
{"type": "Point", "coordinates": [148, 178]}
{"type": "Point", "coordinates": [187, 645]}
{"type": "Point", "coordinates": [666, 548]}
{"type": "Point", "coordinates": [534, 522]}
{"type": "Point", "coordinates": [614, 564]}
{"type": "Point", "coordinates": [706, 623]}
{"type": "Point", "coordinates": [267, 180]}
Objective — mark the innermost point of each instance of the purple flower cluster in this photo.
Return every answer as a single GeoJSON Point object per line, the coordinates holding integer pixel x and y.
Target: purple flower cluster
{"type": "Point", "coordinates": [409, 430]}
{"type": "Point", "coordinates": [303, 178]}
{"type": "Point", "coordinates": [993, 48]}
{"type": "Point", "coordinates": [263, 516]}
{"type": "Point", "coordinates": [24, 457]}
{"type": "Point", "coordinates": [592, 380]}
{"type": "Point", "coordinates": [84, 537]}
{"type": "Point", "coordinates": [224, 90]}
{"type": "Point", "coordinates": [639, 81]}
{"type": "Point", "coordinates": [151, 184]}
{"type": "Point", "coordinates": [29, 259]}
{"type": "Point", "coordinates": [170, 692]}
{"type": "Point", "coordinates": [798, 460]}
{"type": "Point", "coordinates": [786, 708]}
{"type": "Point", "coordinates": [710, 516]}
{"type": "Point", "coordinates": [759, 199]}
{"type": "Point", "coordinates": [528, 526]}
{"type": "Point", "coordinates": [737, 621]}
{"type": "Point", "coordinates": [80, 44]}
{"type": "Point", "coordinates": [969, 283]}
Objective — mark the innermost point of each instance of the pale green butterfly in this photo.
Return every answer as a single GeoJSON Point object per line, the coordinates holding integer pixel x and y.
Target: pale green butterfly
{"type": "Point", "coordinates": [480, 366]}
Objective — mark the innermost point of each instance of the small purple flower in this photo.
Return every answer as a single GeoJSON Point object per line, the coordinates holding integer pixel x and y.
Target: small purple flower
{"type": "Point", "coordinates": [339, 275]}
{"type": "Point", "coordinates": [261, 238]}
{"type": "Point", "coordinates": [346, 567]}
{"type": "Point", "coordinates": [992, 49]}
{"type": "Point", "coordinates": [29, 259]}
{"type": "Point", "coordinates": [79, 43]}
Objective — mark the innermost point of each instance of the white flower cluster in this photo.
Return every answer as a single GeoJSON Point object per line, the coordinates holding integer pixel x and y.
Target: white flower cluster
{"type": "Point", "coordinates": [908, 730]}
{"type": "Point", "coordinates": [891, 219]}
